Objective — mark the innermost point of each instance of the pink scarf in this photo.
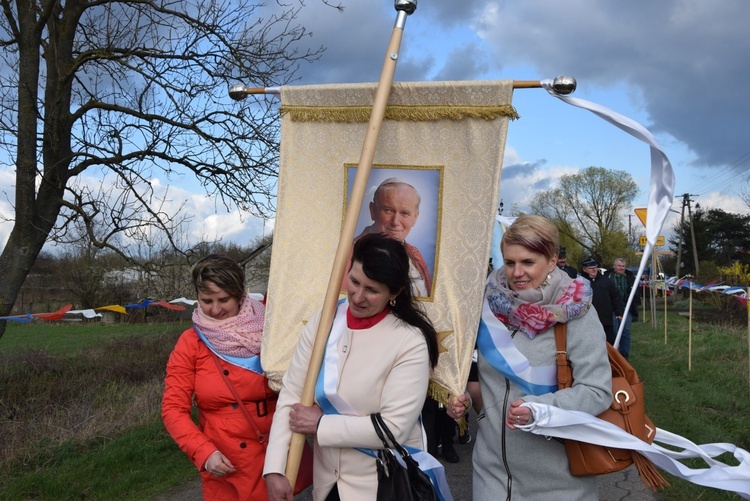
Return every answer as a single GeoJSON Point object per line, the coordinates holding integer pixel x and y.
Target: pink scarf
{"type": "Point", "coordinates": [237, 336]}
{"type": "Point", "coordinates": [559, 299]}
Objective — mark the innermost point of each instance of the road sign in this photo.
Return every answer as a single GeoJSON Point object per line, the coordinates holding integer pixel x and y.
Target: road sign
{"type": "Point", "coordinates": [659, 240]}
{"type": "Point", "coordinates": [641, 213]}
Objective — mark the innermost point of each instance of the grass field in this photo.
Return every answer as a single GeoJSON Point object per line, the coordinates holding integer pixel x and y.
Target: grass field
{"type": "Point", "coordinates": [70, 338]}
{"type": "Point", "coordinates": [79, 405]}
{"type": "Point", "coordinates": [700, 392]}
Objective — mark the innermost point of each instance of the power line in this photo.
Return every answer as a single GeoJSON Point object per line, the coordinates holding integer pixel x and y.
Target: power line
{"type": "Point", "coordinates": [723, 179]}
{"type": "Point", "coordinates": [726, 175]}
{"type": "Point", "coordinates": [733, 179]}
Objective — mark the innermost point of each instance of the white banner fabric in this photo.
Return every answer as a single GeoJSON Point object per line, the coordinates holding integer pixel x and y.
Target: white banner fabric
{"type": "Point", "coordinates": [446, 139]}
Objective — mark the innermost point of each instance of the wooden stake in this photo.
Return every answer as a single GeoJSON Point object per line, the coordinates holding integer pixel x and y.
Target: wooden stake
{"type": "Point", "coordinates": [690, 329]}
{"type": "Point", "coordinates": [665, 311]}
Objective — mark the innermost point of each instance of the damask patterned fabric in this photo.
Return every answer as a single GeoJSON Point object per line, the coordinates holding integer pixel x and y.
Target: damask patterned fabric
{"type": "Point", "coordinates": [444, 138]}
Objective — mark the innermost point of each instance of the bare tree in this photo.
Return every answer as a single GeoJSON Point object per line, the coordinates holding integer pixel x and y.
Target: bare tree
{"type": "Point", "coordinates": [98, 98]}
{"type": "Point", "coordinates": [589, 207]}
{"type": "Point", "coordinates": [745, 195]}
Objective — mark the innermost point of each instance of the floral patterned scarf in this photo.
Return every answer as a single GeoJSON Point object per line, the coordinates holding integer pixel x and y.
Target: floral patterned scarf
{"type": "Point", "coordinates": [237, 336]}
{"type": "Point", "coordinates": [534, 311]}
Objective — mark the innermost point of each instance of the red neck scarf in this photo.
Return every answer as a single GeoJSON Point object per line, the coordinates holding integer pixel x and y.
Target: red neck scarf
{"type": "Point", "coordinates": [364, 323]}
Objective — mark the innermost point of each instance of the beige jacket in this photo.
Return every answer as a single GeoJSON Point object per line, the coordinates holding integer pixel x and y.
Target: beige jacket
{"type": "Point", "coordinates": [382, 369]}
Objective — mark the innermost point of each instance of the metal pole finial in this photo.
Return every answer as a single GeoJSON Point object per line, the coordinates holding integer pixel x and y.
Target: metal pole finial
{"type": "Point", "coordinates": [238, 92]}
{"type": "Point", "coordinates": [564, 84]}
{"type": "Point", "coordinates": [408, 6]}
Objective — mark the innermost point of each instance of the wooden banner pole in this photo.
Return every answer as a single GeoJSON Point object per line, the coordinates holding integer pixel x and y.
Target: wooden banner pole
{"type": "Point", "coordinates": [347, 231]}
{"type": "Point", "coordinates": [665, 311]}
{"type": "Point", "coordinates": [654, 291]}
{"type": "Point", "coordinates": [239, 92]}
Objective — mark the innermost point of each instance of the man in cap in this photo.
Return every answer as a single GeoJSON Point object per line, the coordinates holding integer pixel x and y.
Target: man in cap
{"type": "Point", "coordinates": [562, 263]}
{"type": "Point", "coordinates": [624, 280]}
{"type": "Point", "coordinates": [606, 298]}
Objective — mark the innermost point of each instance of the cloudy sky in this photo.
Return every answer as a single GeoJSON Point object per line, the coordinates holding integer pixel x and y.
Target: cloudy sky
{"type": "Point", "coordinates": [677, 67]}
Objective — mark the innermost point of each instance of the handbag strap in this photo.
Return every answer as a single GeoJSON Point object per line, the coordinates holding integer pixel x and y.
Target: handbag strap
{"type": "Point", "coordinates": [564, 370]}
{"type": "Point", "coordinates": [379, 423]}
{"type": "Point", "coordinates": [379, 431]}
{"type": "Point", "coordinates": [262, 438]}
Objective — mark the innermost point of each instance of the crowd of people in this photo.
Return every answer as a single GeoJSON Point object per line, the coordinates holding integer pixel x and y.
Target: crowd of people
{"type": "Point", "coordinates": [378, 358]}
{"type": "Point", "coordinates": [611, 290]}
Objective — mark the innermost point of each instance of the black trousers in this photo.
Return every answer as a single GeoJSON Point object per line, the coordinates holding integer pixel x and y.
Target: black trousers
{"type": "Point", "coordinates": [438, 426]}
{"type": "Point", "coordinates": [334, 494]}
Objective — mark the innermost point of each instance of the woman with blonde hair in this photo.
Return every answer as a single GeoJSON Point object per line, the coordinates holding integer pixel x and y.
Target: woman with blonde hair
{"type": "Point", "coordinates": [523, 301]}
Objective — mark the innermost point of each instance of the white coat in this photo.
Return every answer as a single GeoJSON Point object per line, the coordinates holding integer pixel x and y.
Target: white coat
{"type": "Point", "coordinates": [384, 369]}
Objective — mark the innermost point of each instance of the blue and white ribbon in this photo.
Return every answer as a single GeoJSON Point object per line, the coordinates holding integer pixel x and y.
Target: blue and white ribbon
{"type": "Point", "coordinates": [327, 397]}
{"type": "Point", "coordinates": [248, 363]}
{"type": "Point", "coordinates": [326, 387]}
{"type": "Point", "coordinates": [551, 421]}
{"type": "Point", "coordinates": [432, 467]}
{"type": "Point", "coordinates": [496, 345]}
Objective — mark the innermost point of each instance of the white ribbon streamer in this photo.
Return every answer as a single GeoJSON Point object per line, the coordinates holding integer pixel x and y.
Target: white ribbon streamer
{"type": "Point", "coordinates": [554, 422]}
{"type": "Point", "coordinates": [661, 187]}
{"type": "Point", "coordinates": [86, 313]}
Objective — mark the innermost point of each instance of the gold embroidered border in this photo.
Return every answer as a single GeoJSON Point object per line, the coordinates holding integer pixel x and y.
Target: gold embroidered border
{"type": "Point", "coordinates": [353, 114]}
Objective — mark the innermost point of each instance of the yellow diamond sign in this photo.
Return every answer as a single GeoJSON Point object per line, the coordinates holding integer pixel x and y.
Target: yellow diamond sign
{"type": "Point", "coordinates": [641, 213]}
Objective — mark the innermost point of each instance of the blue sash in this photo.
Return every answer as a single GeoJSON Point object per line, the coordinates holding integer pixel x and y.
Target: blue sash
{"type": "Point", "coordinates": [327, 397]}
{"type": "Point", "coordinates": [248, 363]}
{"type": "Point", "coordinates": [326, 387]}
{"type": "Point", "coordinates": [496, 345]}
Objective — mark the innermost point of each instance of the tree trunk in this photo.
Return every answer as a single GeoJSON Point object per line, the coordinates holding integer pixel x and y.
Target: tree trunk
{"type": "Point", "coordinates": [35, 214]}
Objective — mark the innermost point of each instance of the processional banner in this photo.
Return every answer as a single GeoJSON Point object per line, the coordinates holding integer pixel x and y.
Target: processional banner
{"type": "Point", "coordinates": [442, 143]}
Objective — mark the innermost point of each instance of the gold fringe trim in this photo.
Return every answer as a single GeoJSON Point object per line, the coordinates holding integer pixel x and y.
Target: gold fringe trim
{"type": "Point", "coordinates": [438, 392]}
{"type": "Point", "coordinates": [462, 425]}
{"type": "Point", "coordinates": [351, 114]}
{"type": "Point", "coordinates": [441, 394]}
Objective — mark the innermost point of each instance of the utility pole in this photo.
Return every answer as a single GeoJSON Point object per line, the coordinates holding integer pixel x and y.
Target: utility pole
{"type": "Point", "coordinates": [692, 234]}
{"type": "Point", "coordinates": [630, 230]}
{"type": "Point", "coordinates": [680, 235]}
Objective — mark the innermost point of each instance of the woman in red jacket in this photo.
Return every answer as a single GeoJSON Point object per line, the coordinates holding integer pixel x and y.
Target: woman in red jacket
{"type": "Point", "coordinates": [217, 364]}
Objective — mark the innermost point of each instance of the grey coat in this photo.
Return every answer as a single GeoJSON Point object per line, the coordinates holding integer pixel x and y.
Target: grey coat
{"type": "Point", "coordinates": [518, 465]}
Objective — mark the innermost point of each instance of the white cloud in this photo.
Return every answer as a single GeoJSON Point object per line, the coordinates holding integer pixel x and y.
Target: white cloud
{"type": "Point", "coordinates": [7, 201]}
{"type": "Point", "coordinates": [727, 203]}
{"type": "Point", "coordinates": [682, 66]}
{"type": "Point", "coordinates": [210, 220]}
{"type": "Point", "coordinates": [521, 180]}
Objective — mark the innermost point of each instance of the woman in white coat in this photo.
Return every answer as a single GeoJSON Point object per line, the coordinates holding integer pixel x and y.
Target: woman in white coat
{"type": "Point", "coordinates": [379, 355]}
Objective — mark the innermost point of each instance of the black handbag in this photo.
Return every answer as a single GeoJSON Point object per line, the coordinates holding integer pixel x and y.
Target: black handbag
{"type": "Point", "coordinates": [394, 481]}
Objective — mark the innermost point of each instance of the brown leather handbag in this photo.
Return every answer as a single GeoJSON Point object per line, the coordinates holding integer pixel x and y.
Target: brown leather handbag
{"type": "Point", "coordinates": [627, 411]}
